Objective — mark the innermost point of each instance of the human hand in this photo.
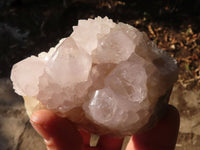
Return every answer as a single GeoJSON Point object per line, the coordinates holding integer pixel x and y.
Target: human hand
{"type": "Point", "coordinates": [60, 134]}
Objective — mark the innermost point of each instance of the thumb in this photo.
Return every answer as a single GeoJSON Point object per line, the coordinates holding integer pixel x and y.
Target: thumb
{"type": "Point", "coordinates": [58, 133]}
{"type": "Point", "coordinates": [162, 136]}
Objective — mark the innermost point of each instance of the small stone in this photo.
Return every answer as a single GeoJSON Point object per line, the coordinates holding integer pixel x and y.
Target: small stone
{"type": "Point", "coordinates": [107, 78]}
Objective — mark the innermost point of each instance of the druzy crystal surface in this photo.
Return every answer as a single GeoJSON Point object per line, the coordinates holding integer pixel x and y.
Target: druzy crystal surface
{"type": "Point", "coordinates": [105, 77]}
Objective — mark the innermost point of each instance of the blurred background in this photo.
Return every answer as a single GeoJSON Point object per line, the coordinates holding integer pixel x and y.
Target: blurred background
{"type": "Point", "coordinates": [28, 27]}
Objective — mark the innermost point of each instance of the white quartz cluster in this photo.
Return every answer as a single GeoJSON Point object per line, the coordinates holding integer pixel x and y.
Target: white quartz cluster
{"type": "Point", "coordinates": [106, 77]}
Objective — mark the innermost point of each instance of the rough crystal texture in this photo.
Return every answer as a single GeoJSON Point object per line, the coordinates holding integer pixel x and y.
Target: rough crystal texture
{"type": "Point", "coordinates": [105, 77]}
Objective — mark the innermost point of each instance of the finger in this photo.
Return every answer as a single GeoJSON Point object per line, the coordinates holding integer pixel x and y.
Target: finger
{"type": "Point", "coordinates": [162, 136]}
{"type": "Point", "coordinates": [59, 133]}
{"type": "Point", "coordinates": [107, 142]}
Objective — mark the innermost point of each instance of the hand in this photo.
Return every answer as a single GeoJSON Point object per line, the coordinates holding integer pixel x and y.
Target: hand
{"type": "Point", "coordinates": [61, 134]}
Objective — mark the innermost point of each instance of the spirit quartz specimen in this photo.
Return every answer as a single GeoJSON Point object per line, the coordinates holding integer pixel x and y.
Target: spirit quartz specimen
{"type": "Point", "coordinates": [105, 77]}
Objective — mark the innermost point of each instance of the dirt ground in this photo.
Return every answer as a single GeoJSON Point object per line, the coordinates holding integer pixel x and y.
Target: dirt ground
{"type": "Point", "coordinates": [30, 26]}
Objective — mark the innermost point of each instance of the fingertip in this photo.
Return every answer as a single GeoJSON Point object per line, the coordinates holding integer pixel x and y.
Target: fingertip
{"type": "Point", "coordinates": [42, 117]}
{"type": "Point", "coordinates": [173, 114]}
{"type": "Point", "coordinates": [39, 120]}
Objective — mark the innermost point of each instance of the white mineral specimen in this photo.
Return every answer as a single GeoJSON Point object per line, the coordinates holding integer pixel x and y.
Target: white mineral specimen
{"type": "Point", "coordinates": [105, 77]}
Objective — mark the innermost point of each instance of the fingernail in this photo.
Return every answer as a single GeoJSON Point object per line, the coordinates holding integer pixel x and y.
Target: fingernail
{"type": "Point", "coordinates": [40, 117]}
